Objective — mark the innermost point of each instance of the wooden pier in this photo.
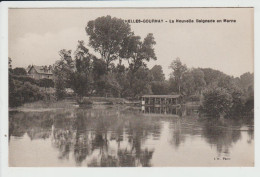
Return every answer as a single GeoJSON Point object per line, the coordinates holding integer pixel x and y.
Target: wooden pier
{"type": "Point", "coordinates": [161, 100]}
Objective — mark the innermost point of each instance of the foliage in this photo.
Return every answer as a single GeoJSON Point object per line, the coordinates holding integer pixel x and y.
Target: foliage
{"type": "Point", "coordinates": [136, 51]}
{"type": "Point", "coordinates": [211, 76]}
{"type": "Point", "coordinates": [157, 73]}
{"type": "Point", "coordinates": [19, 71]}
{"type": "Point", "coordinates": [47, 83]}
{"type": "Point", "coordinates": [62, 72]}
{"type": "Point", "coordinates": [24, 79]}
{"type": "Point", "coordinates": [81, 78]}
{"type": "Point", "coordinates": [141, 82]}
{"type": "Point", "coordinates": [246, 80]}
{"type": "Point", "coordinates": [106, 35]}
{"type": "Point", "coordinates": [41, 83]}
{"type": "Point", "coordinates": [160, 87]}
{"type": "Point", "coordinates": [199, 81]}
{"type": "Point", "coordinates": [178, 69]}
{"type": "Point", "coordinates": [216, 102]}
{"type": "Point", "coordinates": [188, 83]}
{"type": "Point", "coordinates": [23, 92]}
{"type": "Point", "coordinates": [99, 68]}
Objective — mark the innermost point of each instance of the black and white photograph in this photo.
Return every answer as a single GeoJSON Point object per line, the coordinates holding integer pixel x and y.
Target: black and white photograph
{"type": "Point", "coordinates": [131, 87]}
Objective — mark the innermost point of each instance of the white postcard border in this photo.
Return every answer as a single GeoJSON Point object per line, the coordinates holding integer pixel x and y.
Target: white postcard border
{"type": "Point", "coordinates": [6, 171]}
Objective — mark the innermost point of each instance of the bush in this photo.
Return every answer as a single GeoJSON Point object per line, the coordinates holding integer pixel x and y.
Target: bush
{"type": "Point", "coordinates": [19, 71]}
{"type": "Point", "coordinates": [24, 79]}
{"type": "Point", "coordinates": [216, 102]}
{"type": "Point", "coordinates": [24, 92]}
{"type": "Point", "coordinates": [47, 83]}
{"type": "Point", "coordinates": [195, 98]}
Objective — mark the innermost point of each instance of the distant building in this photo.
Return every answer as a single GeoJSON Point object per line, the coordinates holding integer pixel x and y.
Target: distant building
{"type": "Point", "coordinates": [40, 72]}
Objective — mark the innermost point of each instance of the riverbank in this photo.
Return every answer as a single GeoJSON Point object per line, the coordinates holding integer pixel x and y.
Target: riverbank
{"type": "Point", "coordinates": [73, 103]}
{"type": "Point", "coordinates": [106, 101]}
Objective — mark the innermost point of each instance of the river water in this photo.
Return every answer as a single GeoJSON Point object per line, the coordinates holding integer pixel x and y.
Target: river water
{"type": "Point", "coordinates": [126, 137]}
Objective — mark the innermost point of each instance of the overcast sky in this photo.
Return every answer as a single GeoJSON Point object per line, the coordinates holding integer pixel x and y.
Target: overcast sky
{"type": "Point", "coordinates": [37, 35]}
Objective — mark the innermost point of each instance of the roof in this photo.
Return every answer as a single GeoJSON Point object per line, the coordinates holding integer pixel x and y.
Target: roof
{"type": "Point", "coordinates": [161, 96]}
{"type": "Point", "coordinates": [40, 70]}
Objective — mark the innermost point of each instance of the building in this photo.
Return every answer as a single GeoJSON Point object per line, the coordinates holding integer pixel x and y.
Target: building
{"type": "Point", "coordinates": [162, 104]}
{"type": "Point", "coordinates": [157, 100]}
{"type": "Point", "coordinates": [40, 72]}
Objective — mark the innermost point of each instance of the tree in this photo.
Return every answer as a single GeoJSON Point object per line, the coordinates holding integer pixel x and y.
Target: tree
{"type": "Point", "coordinates": [106, 34]}
{"type": "Point", "coordinates": [188, 83]}
{"type": "Point", "coordinates": [157, 73]}
{"type": "Point", "coordinates": [141, 82]}
{"type": "Point", "coordinates": [160, 87]}
{"type": "Point", "coordinates": [81, 80]}
{"type": "Point", "coordinates": [212, 76]}
{"type": "Point", "coordinates": [99, 68]}
{"type": "Point", "coordinates": [19, 71]}
{"type": "Point", "coordinates": [246, 80]}
{"type": "Point", "coordinates": [136, 52]}
{"type": "Point", "coordinates": [62, 72]}
{"type": "Point", "coordinates": [178, 70]}
{"type": "Point", "coordinates": [198, 78]}
{"type": "Point", "coordinates": [216, 102]}
{"type": "Point", "coordinates": [237, 109]}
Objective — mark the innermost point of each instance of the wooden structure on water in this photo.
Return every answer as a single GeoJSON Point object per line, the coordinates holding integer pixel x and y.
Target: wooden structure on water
{"type": "Point", "coordinates": [161, 100]}
{"type": "Point", "coordinates": [161, 104]}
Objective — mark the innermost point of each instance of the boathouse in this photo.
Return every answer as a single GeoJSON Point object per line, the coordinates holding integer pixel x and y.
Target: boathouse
{"type": "Point", "coordinates": [161, 100]}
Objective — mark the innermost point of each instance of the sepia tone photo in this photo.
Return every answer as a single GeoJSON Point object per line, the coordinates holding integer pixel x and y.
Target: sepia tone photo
{"type": "Point", "coordinates": [131, 87]}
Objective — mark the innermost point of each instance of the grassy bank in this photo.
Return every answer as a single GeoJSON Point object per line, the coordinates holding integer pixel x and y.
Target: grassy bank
{"type": "Point", "coordinates": [70, 103]}
{"type": "Point", "coordinates": [48, 104]}
{"type": "Point", "coordinates": [110, 100]}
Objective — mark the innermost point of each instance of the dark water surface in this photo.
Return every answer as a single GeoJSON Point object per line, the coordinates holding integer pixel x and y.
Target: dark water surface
{"type": "Point", "coordinates": [116, 136]}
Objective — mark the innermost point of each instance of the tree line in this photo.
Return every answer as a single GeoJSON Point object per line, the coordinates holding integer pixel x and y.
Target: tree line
{"type": "Point", "coordinates": [121, 71]}
{"type": "Point", "coordinates": [113, 39]}
{"type": "Point", "coordinates": [88, 75]}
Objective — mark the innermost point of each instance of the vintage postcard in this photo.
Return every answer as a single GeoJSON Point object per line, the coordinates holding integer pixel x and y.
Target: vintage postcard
{"type": "Point", "coordinates": [131, 87]}
{"type": "Point", "coordinates": [104, 85]}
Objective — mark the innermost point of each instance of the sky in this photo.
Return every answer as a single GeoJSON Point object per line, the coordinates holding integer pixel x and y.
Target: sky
{"type": "Point", "coordinates": [37, 35]}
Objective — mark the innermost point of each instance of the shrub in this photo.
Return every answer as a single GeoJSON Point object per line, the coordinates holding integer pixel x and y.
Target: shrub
{"type": "Point", "coordinates": [23, 92]}
{"type": "Point", "coordinates": [216, 102]}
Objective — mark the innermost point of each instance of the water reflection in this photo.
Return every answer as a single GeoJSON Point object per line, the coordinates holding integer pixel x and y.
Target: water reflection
{"type": "Point", "coordinates": [119, 137]}
{"type": "Point", "coordinates": [174, 110]}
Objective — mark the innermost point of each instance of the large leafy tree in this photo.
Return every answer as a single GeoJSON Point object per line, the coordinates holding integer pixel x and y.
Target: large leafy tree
{"type": "Point", "coordinates": [137, 52]}
{"type": "Point", "coordinates": [106, 35]}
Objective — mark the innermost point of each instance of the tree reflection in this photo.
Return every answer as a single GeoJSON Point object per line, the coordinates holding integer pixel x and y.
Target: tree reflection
{"type": "Point", "coordinates": [37, 125]}
{"type": "Point", "coordinates": [114, 137]}
{"type": "Point", "coordinates": [95, 137]}
{"type": "Point", "coordinates": [219, 134]}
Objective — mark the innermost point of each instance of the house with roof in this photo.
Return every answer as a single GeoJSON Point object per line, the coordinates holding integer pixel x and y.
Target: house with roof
{"type": "Point", "coordinates": [40, 72]}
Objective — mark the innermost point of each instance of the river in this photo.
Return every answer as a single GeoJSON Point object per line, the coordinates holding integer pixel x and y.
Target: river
{"type": "Point", "coordinates": [115, 136]}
